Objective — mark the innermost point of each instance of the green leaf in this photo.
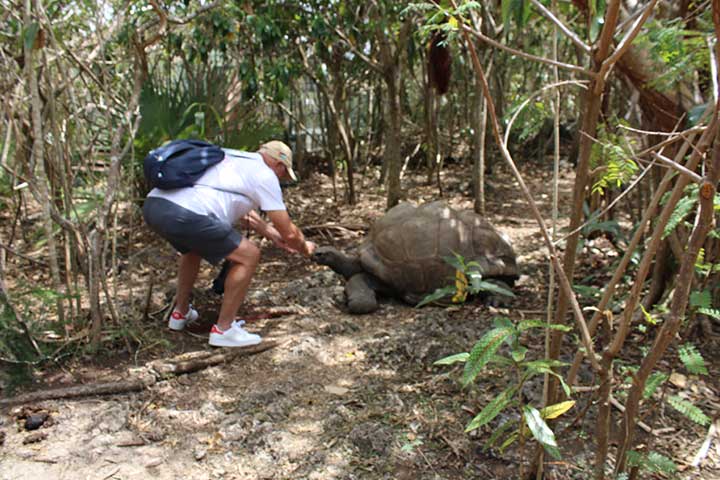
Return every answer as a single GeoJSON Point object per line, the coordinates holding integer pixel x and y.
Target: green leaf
{"type": "Point", "coordinates": [655, 380]}
{"type": "Point", "coordinates": [498, 432]}
{"type": "Point", "coordinates": [483, 351]}
{"type": "Point", "coordinates": [438, 294]}
{"type": "Point", "coordinates": [546, 366]}
{"type": "Point", "coordinates": [710, 312]}
{"type": "Point", "coordinates": [695, 114]}
{"type": "Point", "coordinates": [509, 441]}
{"type": "Point", "coordinates": [653, 462]}
{"type": "Point", "coordinates": [503, 322]}
{"type": "Point", "coordinates": [492, 409]}
{"type": "Point", "coordinates": [456, 261]}
{"type": "Point", "coordinates": [689, 410]}
{"type": "Point", "coordinates": [505, 10]}
{"type": "Point", "coordinates": [682, 210]}
{"type": "Point", "coordinates": [502, 361]}
{"type": "Point", "coordinates": [701, 299]}
{"type": "Point", "coordinates": [487, 286]}
{"type": "Point", "coordinates": [540, 430]}
{"type": "Point", "coordinates": [452, 359]}
{"type": "Point", "coordinates": [657, 463]}
{"type": "Point", "coordinates": [518, 353]}
{"type": "Point", "coordinates": [692, 359]}
{"type": "Point", "coordinates": [528, 324]}
{"type": "Point", "coordinates": [30, 35]}
{"type": "Point", "coordinates": [542, 365]}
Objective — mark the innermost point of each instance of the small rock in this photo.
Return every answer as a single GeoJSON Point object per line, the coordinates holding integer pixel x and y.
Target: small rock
{"type": "Point", "coordinates": [678, 379]}
{"type": "Point", "coordinates": [199, 453]}
{"type": "Point", "coordinates": [35, 437]}
{"type": "Point", "coordinates": [155, 435]}
{"type": "Point", "coordinates": [2, 438]}
{"type": "Point", "coordinates": [154, 463]}
{"type": "Point", "coordinates": [35, 421]}
{"type": "Point", "coordinates": [336, 390]}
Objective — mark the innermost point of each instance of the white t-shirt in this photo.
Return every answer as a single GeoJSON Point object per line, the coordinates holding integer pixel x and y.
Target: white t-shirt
{"type": "Point", "coordinates": [230, 189]}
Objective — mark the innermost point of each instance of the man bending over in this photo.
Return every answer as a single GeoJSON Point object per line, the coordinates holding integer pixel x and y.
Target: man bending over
{"type": "Point", "coordinates": [198, 222]}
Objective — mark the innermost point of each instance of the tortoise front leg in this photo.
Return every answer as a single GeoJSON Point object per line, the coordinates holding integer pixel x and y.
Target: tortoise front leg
{"type": "Point", "coordinates": [361, 297]}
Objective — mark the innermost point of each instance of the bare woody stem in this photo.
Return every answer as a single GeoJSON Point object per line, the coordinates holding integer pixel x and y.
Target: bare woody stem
{"type": "Point", "coordinates": [564, 282]}
{"type": "Point", "coordinates": [671, 327]}
{"type": "Point", "coordinates": [703, 224]}
{"type": "Point", "coordinates": [650, 213]}
{"type": "Point", "coordinates": [563, 28]}
{"type": "Point", "coordinates": [567, 66]}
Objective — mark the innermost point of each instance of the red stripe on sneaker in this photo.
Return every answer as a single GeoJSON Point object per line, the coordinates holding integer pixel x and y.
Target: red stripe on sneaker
{"type": "Point", "coordinates": [215, 329]}
{"type": "Point", "coordinates": [177, 315]}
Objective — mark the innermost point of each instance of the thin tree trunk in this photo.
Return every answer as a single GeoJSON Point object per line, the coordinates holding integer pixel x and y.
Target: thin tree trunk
{"type": "Point", "coordinates": [670, 328]}
{"type": "Point", "coordinates": [593, 101]}
{"type": "Point", "coordinates": [37, 160]}
{"type": "Point", "coordinates": [392, 141]}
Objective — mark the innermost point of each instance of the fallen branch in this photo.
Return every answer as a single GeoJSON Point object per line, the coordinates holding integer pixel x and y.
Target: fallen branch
{"type": "Point", "coordinates": [143, 377]}
{"type": "Point", "coordinates": [705, 448]}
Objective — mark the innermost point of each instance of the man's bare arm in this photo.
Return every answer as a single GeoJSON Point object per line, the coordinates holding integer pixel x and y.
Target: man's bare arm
{"type": "Point", "coordinates": [291, 234]}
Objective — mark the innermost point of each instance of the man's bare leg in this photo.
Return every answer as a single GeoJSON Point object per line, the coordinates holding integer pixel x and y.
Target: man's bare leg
{"type": "Point", "coordinates": [188, 267]}
{"type": "Point", "coordinates": [244, 260]}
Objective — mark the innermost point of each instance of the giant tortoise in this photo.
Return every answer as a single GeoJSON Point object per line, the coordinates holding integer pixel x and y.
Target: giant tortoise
{"type": "Point", "coordinates": [403, 254]}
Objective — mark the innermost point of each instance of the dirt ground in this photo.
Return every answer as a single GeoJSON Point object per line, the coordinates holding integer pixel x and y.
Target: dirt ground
{"type": "Point", "coordinates": [341, 396]}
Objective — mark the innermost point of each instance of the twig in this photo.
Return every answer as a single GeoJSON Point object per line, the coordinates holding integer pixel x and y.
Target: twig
{"type": "Point", "coordinates": [569, 33]}
{"type": "Point", "coordinates": [552, 252]}
{"type": "Point", "coordinates": [519, 53]}
{"type": "Point", "coordinates": [621, 407]}
{"type": "Point", "coordinates": [451, 445]}
{"type": "Point", "coordinates": [694, 176]}
{"type": "Point", "coordinates": [624, 44]}
{"type": "Point", "coordinates": [625, 192]}
{"type": "Point", "coordinates": [111, 474]}
{"type": "Point", "coordinates": [18, 254]}
{"type": "Point", "coordinates": [581, 84]}
{"type": "Point", "coordinates": [142, 378]}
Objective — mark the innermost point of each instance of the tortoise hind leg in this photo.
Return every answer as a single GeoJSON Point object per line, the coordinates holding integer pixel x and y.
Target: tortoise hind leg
{"type": "Point", "coordinates": [361, 296]}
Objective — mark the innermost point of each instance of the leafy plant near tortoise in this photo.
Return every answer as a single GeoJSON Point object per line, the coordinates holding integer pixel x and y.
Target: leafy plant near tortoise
{"type": "Point", "coordinates": [468, 281]}
{"type": "Point", "coordinates": [653, 462]}
{"type": "Point", "coordinates": [529, 421]}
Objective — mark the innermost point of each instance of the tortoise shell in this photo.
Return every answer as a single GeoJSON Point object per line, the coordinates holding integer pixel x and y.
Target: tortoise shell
{"type": "Point", "coordinates": [405, 247]}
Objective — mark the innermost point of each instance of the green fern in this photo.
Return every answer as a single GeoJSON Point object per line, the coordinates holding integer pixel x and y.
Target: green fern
{"type": "Point", "coordinates": [615, 154]}
{"type": "Point", "coordinates": [655, 380]}
{"type": "Point", "coordinates": [682, 209]}
{"type": "Point", "coordinates": [676, 51]}
{"type": "Point", "coordinates": [689, 410]}
{"type": "Point", "coordinates": [710, 312]}
{"type": "Point", "coordinates": [701, 299]}
{"type": "Point", "coordinates": [692, 359]}
{"type": "Point", "coordinates": [652, 462]}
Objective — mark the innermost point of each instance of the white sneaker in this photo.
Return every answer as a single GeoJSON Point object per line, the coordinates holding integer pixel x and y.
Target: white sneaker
{"type": "Point", "coordinates": [235, 336]}
{"type": "Point", "coordinates": [178, 321]}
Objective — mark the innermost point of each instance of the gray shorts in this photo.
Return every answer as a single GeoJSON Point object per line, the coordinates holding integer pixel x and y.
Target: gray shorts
{"type": "Point", "coordinates": [187, 231]}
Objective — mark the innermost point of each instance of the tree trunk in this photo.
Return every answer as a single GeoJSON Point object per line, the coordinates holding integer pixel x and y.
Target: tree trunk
{"type": "Point", "coordinates": [593, 101]}
{"type": "Point", "coordinates": [40, 182]}
{"type": "Point", "coordinates": [393, 139]}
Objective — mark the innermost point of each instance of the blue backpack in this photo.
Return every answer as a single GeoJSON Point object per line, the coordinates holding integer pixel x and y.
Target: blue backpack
{"type": "Point", "coordinates": [180, 163]}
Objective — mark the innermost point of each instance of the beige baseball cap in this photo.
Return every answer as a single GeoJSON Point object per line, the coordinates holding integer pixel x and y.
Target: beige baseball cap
{"type": "Point", "coordinates": [281, 152]}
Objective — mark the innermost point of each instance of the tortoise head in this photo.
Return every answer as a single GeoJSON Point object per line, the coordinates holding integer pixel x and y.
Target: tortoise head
{"type": "Point", "coordinates": [340, 262]}
{"type": "Point", "coordinates": [328, 256]}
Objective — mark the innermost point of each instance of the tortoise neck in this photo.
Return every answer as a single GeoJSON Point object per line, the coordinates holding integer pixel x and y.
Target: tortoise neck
{"type": "Point", "coordinates": [347, 265]}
